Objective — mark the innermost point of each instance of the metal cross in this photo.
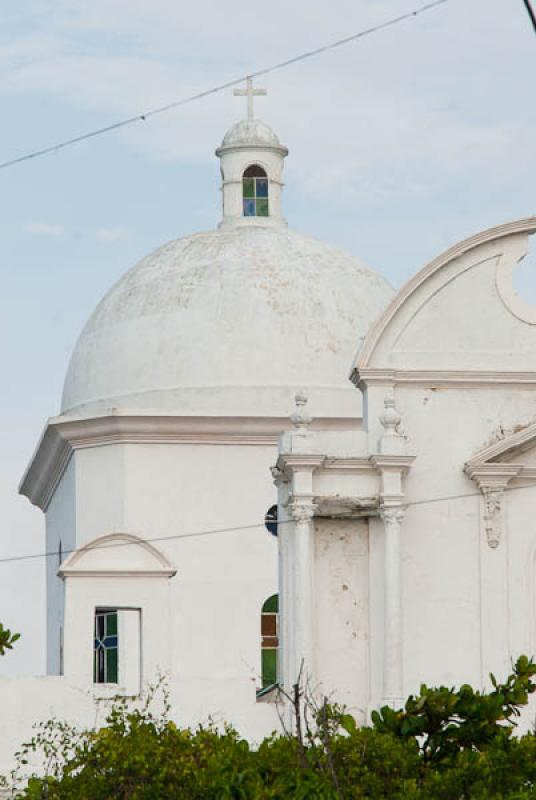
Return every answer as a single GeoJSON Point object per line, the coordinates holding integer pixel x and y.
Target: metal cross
{"type": "Point", "coordinates": [250, 93]}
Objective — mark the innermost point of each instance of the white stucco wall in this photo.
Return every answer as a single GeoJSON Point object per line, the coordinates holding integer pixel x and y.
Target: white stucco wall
{"type": "Point", "coordinates": [454, 357]}
{"type": "Point", "coordinates": [215, 599]}
{"type": "Point", "coordinates": [60, 527]}
{"type": "Point", "coordinates": [342, 612]}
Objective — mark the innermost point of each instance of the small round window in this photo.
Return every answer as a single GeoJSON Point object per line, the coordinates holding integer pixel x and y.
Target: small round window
{"type": "Point", "coordinates": [270, 520]}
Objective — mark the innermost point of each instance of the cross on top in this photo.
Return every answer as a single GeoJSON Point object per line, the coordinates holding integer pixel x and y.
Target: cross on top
{"type": "Point", "coordinates": [250, 93]}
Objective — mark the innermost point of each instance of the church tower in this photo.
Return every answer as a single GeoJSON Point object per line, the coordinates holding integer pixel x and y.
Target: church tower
{"type": "Point", "coordinates": [252, 169]}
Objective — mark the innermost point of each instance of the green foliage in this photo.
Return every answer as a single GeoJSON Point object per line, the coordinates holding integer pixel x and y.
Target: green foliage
{"type": "Point", "coordinates": [446, 744]}
{"type": "Point", "coordinates": [7, 639]}
{"type": "Point", "coordinates": [447, 721]}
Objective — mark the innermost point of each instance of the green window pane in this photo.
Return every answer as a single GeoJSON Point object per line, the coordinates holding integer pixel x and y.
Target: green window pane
{"type": "Point", "coordinates": [111, 624]}
{"type": "Point", "coordinates": [271, 606]}
{"type": "Point", "coordinates": [111, 666]}
{"type": "Point", "coordinates": [249, 187]}
{"type": "Point", "coordinates": [105, 652]}
{"type": "Point", "coordinates": [269, 667]}
{"type": "Point", "coordinates": [262, 208]}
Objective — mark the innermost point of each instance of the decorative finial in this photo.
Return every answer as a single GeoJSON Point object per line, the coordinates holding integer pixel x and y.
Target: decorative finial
{"type": "Point", "coordinates": [250, 93]}
{"type": "Point", "coordinates": [301, 418]}
{"type": "Point", "coordinates": [390, 419]}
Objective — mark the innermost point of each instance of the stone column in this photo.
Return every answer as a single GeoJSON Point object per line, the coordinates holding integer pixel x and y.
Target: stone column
{"type": "Point", "coordinates": [392, 661]}
{"type": "Point", "coordinates": [392, 464]}
{"type": "Point", "coordinates": [302, 663]}
{"type": "Point", "coordinates": [296, 465]}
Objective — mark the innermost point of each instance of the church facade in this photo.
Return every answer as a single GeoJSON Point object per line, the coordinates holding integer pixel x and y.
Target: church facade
{"type": "Point", "coordinates": [392, 549]}
{"type": "Point", "coordinates": [409, 547]}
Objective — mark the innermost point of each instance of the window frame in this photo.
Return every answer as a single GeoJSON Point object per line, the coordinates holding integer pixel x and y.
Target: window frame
{"type": "Point", "coordinates": [105, 611]}
{"type": "Point", "coordinates": [255, 200]}
{"type": "Point", "coordinates": [267, 643]}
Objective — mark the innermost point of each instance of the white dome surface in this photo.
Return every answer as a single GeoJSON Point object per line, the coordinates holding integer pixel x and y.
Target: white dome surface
{"type": "Point", "coordinates": [231, 321]}
{"type": "Point", "coordinates": [250, 132]}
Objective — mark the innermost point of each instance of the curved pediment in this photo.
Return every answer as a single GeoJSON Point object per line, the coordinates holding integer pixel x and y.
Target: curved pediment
{"type": "Point", "coordinates": [459, 314]}
{"type": "Point", "coordinates": [117, 555]}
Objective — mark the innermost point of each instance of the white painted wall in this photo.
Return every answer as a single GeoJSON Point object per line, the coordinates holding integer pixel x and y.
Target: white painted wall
{"type": "Point", "coordinates": [458, 356]}
{"type": "Point", "coordinates": [342, 612]}
{"type": "Point", "coordinates": [60, 527]}
{"type": "Point", "coordinates": [213, 632]}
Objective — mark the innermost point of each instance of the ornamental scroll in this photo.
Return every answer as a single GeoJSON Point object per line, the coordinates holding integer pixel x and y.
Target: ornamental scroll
{"type": "Point", "coordinates": [493, 503]}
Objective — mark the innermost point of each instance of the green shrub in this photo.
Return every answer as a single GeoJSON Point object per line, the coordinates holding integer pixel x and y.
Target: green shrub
{"type": "Point", "coordinates": [445, 744]}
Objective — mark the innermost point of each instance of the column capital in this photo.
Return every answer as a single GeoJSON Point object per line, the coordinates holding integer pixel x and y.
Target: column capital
{"type": "Point", "coordinates": [392, 515]}
{"type": "Point", "coordinates": [301, 512]}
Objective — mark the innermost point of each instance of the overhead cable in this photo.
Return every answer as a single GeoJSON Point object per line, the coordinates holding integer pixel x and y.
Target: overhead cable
{"type": "Point", "coordinates": [240, 528]}
{"type": "Point", "coordinates": [531, 13]}
{"type": "Point", "coordinates": [227, 85]}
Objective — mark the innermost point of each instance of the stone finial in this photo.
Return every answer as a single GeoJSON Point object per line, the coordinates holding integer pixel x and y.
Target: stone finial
{"type": "Point", "coordinates": [301, 419]}
{"type": "Point", "coordinates": [392, 441]}
{"type": "Point", "coordinates": [390, 419]}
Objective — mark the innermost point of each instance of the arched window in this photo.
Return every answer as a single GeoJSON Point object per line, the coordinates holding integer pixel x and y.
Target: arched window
{"type": "Point", "coordinates": [255, 192]}
{"type": "Point", "coordinates": [270, 641]}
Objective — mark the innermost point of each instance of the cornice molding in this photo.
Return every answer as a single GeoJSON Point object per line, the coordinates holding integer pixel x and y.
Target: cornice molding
{"type": "Point", "coordinates": [347, 465]}
{"type": "Point", "coordinates": [116, 573]}
{"type": "Point", "coordinates": [63, 435]}
{"type": "Point", "coordinates": [492, 476]}
{"type": "Point", "coordinates": [322, 463]}
{"type": "Point", "coordinates": [515, 442]}
{"type": "Point", "coordinates": [382, 462]}
{"type": "Point", "coordinates": [443, 379]}
{"type": "Point", "coordinates": [339, 507]}
{"type": "Point", "coordinates": [301, 461]}
{"type": "Point", "coordinates": [526, 225]}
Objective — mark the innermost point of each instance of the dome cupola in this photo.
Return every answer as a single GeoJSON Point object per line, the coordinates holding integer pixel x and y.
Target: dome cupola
{"type": "Point", "coordinates": [251, 158]}
{"type": "Point", "coordinates": [232, 321]}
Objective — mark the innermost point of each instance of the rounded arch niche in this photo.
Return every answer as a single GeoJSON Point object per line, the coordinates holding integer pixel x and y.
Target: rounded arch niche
{"type": "Point", "coordinates": [516, 284]}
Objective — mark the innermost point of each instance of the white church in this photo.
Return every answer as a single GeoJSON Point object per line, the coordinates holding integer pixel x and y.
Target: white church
{"type": "Point", "coordinates": [398, 543]}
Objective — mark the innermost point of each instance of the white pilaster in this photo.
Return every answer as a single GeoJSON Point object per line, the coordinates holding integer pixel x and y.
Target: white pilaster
{"type": "Point", "coordinates": [302, 661]}
{"type": "Point", "coordinates": [296, 465]}
{"type": "Point", "coordinates": [392, 517]}
{"type": "Point", "coordinates": [392, 463]}
{"type": "Point", "coordinates": [492, 480]}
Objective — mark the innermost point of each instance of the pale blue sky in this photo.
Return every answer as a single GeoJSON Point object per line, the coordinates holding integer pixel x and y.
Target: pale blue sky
{"type": "Point", "coordinates": [400, 145]}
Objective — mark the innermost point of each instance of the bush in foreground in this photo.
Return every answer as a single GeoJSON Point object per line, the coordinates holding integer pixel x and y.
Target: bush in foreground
{"type": "Point", "coordinates": [445, 744]}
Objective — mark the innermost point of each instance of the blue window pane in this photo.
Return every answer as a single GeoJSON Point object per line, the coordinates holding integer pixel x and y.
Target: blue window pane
{"type": "Point", "coordinates": [262, 187]}
{"type": "Point", "coordinates": [249, 208]}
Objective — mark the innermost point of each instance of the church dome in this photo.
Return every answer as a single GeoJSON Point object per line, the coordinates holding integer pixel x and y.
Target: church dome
{"type": "Point", "coordinates": [229, 321]}
{"type": "Point", "coordinates": [235, 320]}
{"type": "Point", "coordinates": [249, 131]}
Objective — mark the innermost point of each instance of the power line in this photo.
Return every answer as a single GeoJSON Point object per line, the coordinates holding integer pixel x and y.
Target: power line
{"type": "Point", "coordinates": [531, 13]}
{"type": "Point", "coordinates": [238, 528]}
{"type": "Point", "coordinates": [185, 100]}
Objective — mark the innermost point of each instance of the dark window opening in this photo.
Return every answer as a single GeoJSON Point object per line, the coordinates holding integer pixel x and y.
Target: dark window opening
{"type": "Point", "coordinates": [270, 520]}
{"type": "Point", "coordinates": [105, 651]}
